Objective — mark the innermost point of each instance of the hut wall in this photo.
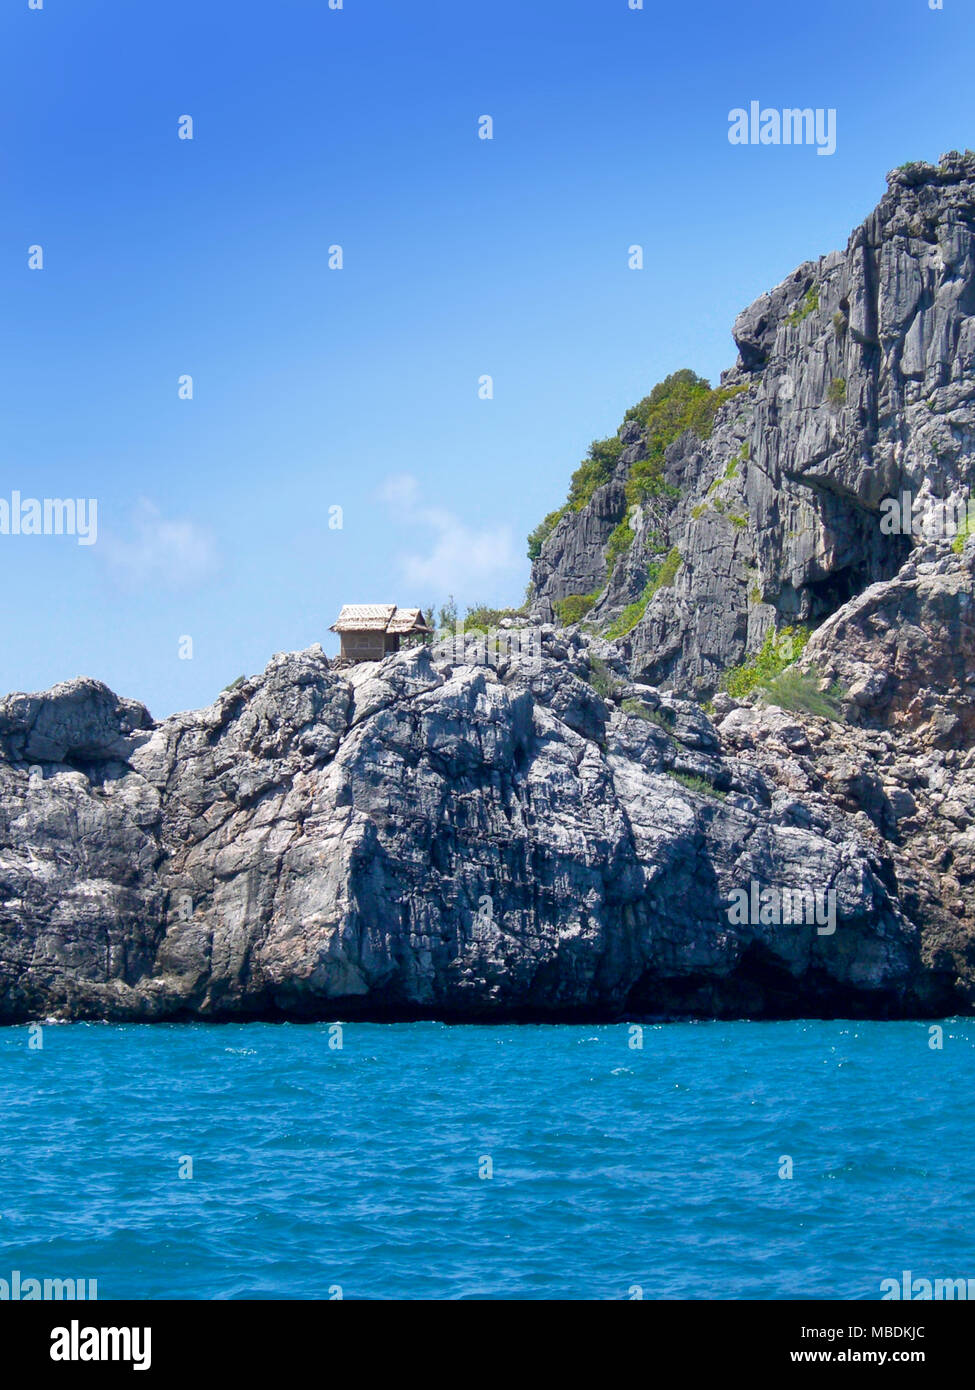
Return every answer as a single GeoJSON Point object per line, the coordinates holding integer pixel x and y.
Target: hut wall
{"type": "Point", "coordinates": [364, 646]}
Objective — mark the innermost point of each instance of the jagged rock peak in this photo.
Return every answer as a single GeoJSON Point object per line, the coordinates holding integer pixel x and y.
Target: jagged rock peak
{"type": "Point", "coordinates": [854, 386]}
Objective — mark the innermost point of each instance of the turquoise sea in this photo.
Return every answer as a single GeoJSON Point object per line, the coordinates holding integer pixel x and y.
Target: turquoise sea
{"type": "Point", "coordinates": [364, 1168]}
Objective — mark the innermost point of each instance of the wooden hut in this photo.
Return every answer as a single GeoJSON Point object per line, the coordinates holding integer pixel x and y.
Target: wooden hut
{"type": "Point", "coordinates": [370, 631]}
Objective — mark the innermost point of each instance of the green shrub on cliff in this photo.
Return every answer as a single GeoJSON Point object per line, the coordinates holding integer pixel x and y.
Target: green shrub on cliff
{"type": "Point", "coordinates": [629, 617]}
{"type": "Point", "coordinates": [683, 401]}
{"type": "Point", "coordinates": [695, 784]}
{"type": "Point", "coordinates": [806, 306]}
{"type": "Point", "coordinates": [802, 692]}
{"type": "Point", "coordinates": [636, 708]}
{"type": "Point", "coordinates": [594, 470]}
{"type": "Point", "coordinates": [660, 575]}
{"type": "Point", "coordinates": [962, 534]}
{"type": "Point", "coordinates": [481, 618]}
{"type": "Point", "coordinates": [542, 532]}
{"type": "Point", "coordinates": [664, 574]}
{"type": "Point", "coordinates": [664, 717]}
{"type": "Point", "coordinates": [778, 651]}
{"type": "Point", "coordinates": [602, 679]}
{"type": "Point", "coordinates": [771, 672]}
{"type": "Point", "coordinates": [573, 607]}
{"type": "Point", "coordinates": [618, 544]}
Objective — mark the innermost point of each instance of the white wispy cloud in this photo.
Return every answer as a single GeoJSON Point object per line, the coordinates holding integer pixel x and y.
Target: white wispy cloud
{"type": "Point", "coordinates": [456, 558]}
{"type": "Point", "coordinates": [158, 550]}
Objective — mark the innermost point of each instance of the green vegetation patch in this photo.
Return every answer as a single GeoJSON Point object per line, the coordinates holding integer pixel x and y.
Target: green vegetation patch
{"type": "Point", "coordinates": [802, 692]}
{"type": "Point", "coordinates": [683, 401]}
{"type": "Point", "coordinates": [664, 717]}
{"type": "Point", "coordinates": [604, 681]}
{"type": "Point", "coordinates": [595, 469]}
{"type": "Point", "coordinates": [696, 784]}
{"type": "Point", "coordinates": [806, 306]}
{"type": "Point", "coordinates": [542, 532]}
{"type": "Point", "coordinates": [618, 544]}
{"type": "Point", "coordinates": [574, 606]}
{"type": "Point", "coordinates": [629, 617]}
{"type": "Point", "coordinates": [778, 651]}
{"type": "Point", "coordinates": [481, 618]}
{"type": "Point", "coordinates": [663, 576]}
{"type": "Point", "coordinates": [963, 533]}
{"type": "Point", "coordinates": [731, 468]}
{"type": "Point", "coordinates": [660, 575]}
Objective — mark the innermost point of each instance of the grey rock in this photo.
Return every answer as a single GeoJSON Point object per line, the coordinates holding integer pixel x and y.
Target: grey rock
{"type": "Point", "coordinates": [860, 369]}
{"type": "Point", "coordinates": [557, 832]}
{"type": "Point", "coordinates": [418, 838]}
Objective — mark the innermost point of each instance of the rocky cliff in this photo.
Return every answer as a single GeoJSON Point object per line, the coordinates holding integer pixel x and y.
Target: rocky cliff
{"type": "Point", "coordinates": [855, 383]}
{"type": "Point", "coordinates": [460, 834]}
{"type": "Point", "coordinates": [560, 828]}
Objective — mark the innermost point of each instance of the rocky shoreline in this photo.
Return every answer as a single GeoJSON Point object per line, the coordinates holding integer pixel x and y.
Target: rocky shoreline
{"type": "Point", "coordinates": [423, 838]}
{"type": "Point", "coordinates": [558, 831]}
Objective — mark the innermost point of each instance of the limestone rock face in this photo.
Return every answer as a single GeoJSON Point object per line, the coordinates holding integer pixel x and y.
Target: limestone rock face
{"type": "Point", "coordinates": [77, 719]}
{"type": "Point", "coordinates": [562, 830]}
{"type": "Point", "coordinates": [573, 561]}
{"type": "Point", "coordinates": [433, 837]}
{"type": "Point", "coordinates": [904, 649]}
{"type": "Point", "coordinates": [860, 377]}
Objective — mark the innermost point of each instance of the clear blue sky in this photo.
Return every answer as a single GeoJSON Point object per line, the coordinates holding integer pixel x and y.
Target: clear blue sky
{"type": "Point", "coordinates": [358, 388]}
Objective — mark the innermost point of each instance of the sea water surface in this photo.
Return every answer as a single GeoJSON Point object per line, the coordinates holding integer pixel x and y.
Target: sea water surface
{"type": "Point", "coordinates": [521, 1162]}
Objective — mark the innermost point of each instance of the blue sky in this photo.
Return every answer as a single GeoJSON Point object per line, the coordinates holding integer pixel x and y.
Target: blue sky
{"type": "Point", "coordinates": [358, 388]}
